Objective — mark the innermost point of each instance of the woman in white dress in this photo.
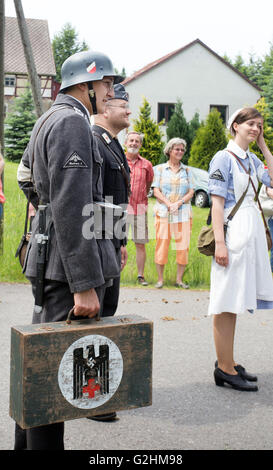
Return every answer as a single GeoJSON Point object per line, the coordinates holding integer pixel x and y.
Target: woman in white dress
{"type": "Point", "coordinates": [241, 278]}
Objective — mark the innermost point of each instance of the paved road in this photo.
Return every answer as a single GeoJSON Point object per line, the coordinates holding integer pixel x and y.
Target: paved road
{"type": "Point", "coordinates": [188, 412]}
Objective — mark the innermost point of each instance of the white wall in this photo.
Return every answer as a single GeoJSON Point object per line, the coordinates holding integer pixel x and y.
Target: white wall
{"type": "Point", "coordinates": [198, 78]}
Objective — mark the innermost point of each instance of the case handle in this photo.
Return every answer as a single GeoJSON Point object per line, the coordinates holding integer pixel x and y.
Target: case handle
{"type": "Point", "coordinates": [70, 314]}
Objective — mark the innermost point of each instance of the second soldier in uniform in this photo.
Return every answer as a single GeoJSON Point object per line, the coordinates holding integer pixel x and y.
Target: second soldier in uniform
{"type": "Point", "coordinates": [115, 174]}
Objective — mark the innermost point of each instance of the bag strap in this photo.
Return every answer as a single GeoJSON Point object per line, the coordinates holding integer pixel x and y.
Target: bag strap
{"type": "Point", "coordinates": [255, 191]}
{"type": "Point", "coordinates": [237, 205]}
{"type": "Point", "coordinates": [118, 160]}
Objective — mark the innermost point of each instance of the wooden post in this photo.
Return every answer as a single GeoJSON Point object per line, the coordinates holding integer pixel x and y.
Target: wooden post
{"type": "Point", "coordinates": [33, 77]}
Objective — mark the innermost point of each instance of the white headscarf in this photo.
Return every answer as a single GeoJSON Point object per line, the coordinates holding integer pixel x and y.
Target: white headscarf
{"type": "Point", "coordinates": [231, 121]}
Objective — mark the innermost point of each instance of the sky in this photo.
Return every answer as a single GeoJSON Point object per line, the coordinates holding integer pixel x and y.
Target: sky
{"type": "Point", "coordinates": [137, 32]}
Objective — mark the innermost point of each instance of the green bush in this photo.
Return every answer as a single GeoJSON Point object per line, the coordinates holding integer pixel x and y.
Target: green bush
{"type": "Point", "coordinates": [179, 127]}
{"type": "Point", "coordinates": [18, 126]}
{"type": "Point", "coordinates": [152, 146]}
{"type": "Point", "coordinates": [209, 139]}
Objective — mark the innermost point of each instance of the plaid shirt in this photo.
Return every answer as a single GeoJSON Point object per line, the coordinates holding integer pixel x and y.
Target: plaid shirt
{"type": "Point", "coordinates": [141, 176]}
{"type": "Point", "coordinates": [173, 186]}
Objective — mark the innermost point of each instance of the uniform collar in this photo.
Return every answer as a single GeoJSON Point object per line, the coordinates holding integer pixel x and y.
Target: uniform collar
{"type": "Point", "coordinates": [63, 98]}
{"type": "Point", "coordinates": [237, 150]}
{"type": "Point", "coordinates": [105, 133]}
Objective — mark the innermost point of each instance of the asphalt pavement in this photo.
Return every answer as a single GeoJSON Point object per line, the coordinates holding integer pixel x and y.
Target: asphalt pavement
{"type": "Point", "coordinates": [188, 411]}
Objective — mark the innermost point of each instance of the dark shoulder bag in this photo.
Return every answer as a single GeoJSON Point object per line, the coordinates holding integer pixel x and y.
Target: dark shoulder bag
{"type": "Point", "coordinates": [206, 240]}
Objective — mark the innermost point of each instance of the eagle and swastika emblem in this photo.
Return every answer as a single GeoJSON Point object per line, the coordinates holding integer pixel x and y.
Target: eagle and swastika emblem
{"type": "Point", "coordinates": [90, 371]}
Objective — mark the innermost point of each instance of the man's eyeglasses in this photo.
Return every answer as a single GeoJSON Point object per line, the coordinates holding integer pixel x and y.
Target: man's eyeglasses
{"type": "Point", "coordinates": [124, 106]}
{"type": "Point", "coordinates": [108, 84]}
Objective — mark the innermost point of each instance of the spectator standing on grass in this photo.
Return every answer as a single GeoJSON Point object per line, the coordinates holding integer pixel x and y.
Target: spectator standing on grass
{"type": "Point", "coordinates": [141, 175]}
{"type": "Point", "coordinates": [173, 189]}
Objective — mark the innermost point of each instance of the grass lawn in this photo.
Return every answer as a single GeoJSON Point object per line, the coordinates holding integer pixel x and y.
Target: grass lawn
{"type": "Point", "coordinates": [14, 218]}
{"type": "Point", "coordinates": [197, 273]}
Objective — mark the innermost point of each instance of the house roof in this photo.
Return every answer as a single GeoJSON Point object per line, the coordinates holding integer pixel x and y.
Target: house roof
{"type": "Point", "coordinates": [14, 62]}
{"type": "Point", "coordinates": [165, 58]}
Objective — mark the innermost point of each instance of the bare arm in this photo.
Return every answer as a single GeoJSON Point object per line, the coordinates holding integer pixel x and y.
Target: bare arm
{"type": "Point", "coordinates": [267, 154]}
{"type": "Point", "coordinates": [159, 196]}
{"type": "Point", "coordinates": [148, 185]}
{"type": "Point", "coordinates": [124, 256]}
{"type": "Point", "coordinates": [269, 192]}
{"type": "Point", "coordinates": [186, 198]}
{"type": "Point", "coordinates": [221, 252]}
{"type": "Point", "coordinates": [2, 164]}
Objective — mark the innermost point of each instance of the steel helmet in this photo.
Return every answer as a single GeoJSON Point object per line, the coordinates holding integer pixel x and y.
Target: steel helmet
{"type": "Point", "coordinates": [87, 66]}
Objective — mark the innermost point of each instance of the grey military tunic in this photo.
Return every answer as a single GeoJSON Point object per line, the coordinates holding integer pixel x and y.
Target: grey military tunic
{"type": "Point", "coordinates": [66, 173]}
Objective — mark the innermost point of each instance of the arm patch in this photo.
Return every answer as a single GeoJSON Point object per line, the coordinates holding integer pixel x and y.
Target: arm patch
{"type": "Point", "coordinates": [217, 175]}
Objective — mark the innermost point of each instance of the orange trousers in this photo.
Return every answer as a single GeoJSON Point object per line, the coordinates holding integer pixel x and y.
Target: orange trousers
{"type": "Point", "coordinates": [164, 232]}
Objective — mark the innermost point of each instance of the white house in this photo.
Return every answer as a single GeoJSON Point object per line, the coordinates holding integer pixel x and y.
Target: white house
{"type": "Point", "coordinates": [197, 76]}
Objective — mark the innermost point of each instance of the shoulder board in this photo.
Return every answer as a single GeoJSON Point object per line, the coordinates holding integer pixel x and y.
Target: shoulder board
{"type": "Point", "coordinates": [106, 138]}
{"type": "Point", "coordinates": [78, 111]}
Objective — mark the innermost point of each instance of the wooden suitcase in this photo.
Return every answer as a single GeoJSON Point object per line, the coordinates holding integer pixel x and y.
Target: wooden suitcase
{"type": "Point", "coordinates": [61, 371]}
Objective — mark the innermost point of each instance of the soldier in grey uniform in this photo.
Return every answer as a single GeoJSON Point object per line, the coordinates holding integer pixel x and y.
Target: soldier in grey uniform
{"type": "Point", "coordinates": [60, 173]}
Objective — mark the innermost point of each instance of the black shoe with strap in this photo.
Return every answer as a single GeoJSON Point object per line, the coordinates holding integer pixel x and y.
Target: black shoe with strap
{"type": "Point", "coordinates": [235, 381]}
{"type": "Point", "coordinates": [241, 370]}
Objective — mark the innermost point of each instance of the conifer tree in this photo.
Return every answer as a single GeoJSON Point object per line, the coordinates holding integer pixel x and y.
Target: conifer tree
{"type": "Point", "coordinates": [19, 124]}
{"type": "Point", "coordinates": [194, 125]}
{"type": "Point", "coordinates": [65, 44]}
{"type": "Point", "coordinates": [178, 127]}
{"type": "Point", "coordinates": [152, 146]}
{"type": "Point", "coordinates": [210, 137]}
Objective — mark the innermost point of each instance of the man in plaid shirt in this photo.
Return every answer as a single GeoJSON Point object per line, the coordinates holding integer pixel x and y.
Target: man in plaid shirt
{"type": "Point", "coordinates": [141, 179]}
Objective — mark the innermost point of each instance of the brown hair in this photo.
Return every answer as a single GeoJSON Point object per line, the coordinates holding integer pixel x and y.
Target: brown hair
{"type": "Point", "coordinates": [245, 114]}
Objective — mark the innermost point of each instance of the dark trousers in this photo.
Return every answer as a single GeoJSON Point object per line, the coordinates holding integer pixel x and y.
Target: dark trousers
{"type": "Point", "coordinates": [58, 300]}
{"type": "Point", "coordinates": [111, 295]}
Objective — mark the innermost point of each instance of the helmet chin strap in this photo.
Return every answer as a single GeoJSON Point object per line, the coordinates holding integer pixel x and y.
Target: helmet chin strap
{"type": "Point", "coordinates": [92, 97]}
